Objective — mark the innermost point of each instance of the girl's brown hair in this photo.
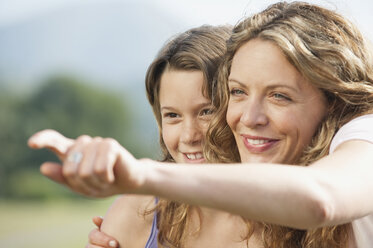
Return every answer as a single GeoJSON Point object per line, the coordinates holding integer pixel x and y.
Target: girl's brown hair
{"type": "Point", "coordinates": [198, 49]}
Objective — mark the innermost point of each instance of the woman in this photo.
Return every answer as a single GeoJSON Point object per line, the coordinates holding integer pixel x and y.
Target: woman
{"type": "Point", "coordinates": [294, 75]}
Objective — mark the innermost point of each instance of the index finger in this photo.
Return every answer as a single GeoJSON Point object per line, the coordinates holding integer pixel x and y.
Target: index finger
{"type": "Point", "coordinates": [51, 140]}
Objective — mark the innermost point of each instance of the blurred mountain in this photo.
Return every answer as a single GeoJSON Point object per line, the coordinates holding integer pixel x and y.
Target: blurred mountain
{"type": "Point", "coordinates": [109, 44]}
{"type": "Point", "coordinates": [112, 42]}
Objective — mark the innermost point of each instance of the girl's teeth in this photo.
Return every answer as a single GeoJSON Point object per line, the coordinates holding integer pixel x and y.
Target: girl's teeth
{"type": "Point", "coordinates": [193, 156]}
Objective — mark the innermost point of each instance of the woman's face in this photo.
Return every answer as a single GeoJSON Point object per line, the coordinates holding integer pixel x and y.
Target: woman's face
{"type": "Point", "coordinates": [185, 114]}
{"type": "Point", "coordinates": [273, 111]}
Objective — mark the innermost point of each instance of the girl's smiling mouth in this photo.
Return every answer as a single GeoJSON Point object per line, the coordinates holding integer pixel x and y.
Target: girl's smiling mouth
{"type": "Point", "coordinates": [195, 157]}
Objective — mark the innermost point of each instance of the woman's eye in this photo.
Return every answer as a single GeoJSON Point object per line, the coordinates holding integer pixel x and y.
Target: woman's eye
{"type": "Point", "coordinates": [279, 96]}
{"type": "Point", "coordinates": [236, 92]}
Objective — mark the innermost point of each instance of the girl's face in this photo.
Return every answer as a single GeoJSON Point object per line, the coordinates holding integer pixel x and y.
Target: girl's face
{"type": "Point", "coordinates": [273, 111]}
{"type": "Point", "coordinates": [185, 114]}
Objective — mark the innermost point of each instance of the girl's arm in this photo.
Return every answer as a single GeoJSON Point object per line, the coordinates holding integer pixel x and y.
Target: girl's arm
{"type": "Point", "coordinates": [125, 220]}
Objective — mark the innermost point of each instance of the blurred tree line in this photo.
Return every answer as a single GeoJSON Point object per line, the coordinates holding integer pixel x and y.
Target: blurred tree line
{"type": "Point", "coordinates": [67, 105]}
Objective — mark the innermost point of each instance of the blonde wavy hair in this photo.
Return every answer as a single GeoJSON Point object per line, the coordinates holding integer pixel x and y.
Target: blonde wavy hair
{"type": "Point", "coordinates": [331, 53]}
{"type": "Point", "coordinates": [198, 49]}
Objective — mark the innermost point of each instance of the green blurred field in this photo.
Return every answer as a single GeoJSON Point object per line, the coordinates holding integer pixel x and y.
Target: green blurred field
{"type": "Point", "coordinates": [57, 224]}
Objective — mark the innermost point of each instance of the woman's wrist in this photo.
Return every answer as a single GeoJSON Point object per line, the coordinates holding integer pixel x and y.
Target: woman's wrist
{"type": "Point", "coordinates": [146, 171]}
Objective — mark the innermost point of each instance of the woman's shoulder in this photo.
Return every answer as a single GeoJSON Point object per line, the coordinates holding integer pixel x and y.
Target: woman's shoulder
{"type": "Point", "coordinates": [359, 128]}
{"type": "Point", "coordinates": [127, 222]}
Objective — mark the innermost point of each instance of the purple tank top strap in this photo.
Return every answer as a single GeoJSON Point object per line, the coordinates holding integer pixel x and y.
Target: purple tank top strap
{"type": "Point", "coordinates": [153, 241]}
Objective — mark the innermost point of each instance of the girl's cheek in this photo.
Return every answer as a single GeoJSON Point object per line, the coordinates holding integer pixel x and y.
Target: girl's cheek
{"type": "Point", "coordinates": [170, 136]}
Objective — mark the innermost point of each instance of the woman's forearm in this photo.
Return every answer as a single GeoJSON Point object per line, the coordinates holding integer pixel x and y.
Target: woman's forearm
{"type": "Point", "coordinates": [295, 196]}
{"type": "Point", "coordinates": [264, 192]}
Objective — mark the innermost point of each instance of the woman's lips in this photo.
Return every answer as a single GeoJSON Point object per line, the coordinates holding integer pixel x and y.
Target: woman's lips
{"type": "Point", "coordinates": [257, 144]}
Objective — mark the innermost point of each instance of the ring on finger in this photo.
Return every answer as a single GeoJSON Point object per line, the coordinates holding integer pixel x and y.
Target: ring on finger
{"type": "Point", "coordinates": [75, 157]}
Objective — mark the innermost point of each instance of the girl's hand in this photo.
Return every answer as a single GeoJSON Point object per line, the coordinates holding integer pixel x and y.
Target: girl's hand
{"type": "Point", "coordinates": [98, 239]}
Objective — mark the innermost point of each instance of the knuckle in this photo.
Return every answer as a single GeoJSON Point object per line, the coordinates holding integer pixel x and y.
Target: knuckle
{"type": "Point", "coordinates": [84, 138]}
{"type": "Point", "coordinates": [97, 139]}
{"type": "Point", "coordinates": [110, 142]}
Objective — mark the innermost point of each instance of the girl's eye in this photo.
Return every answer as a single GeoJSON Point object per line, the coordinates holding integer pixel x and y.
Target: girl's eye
{"type": "Point", "coordinates": [207, 111]}
{"type": "Point", "coordinates": [235, 92]}
{"type": "Point", "coordinates": [279, 96]}
{"type": "Point", "coordinates": [171, 115]}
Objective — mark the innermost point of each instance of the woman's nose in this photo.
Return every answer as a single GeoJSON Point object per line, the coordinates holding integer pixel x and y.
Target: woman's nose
{"type": "Point", "coordinates": [254, 114]}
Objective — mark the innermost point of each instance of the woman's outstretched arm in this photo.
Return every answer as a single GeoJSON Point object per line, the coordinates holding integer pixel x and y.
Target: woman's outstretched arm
{"type": "Point", "coordinates": [334, 190]}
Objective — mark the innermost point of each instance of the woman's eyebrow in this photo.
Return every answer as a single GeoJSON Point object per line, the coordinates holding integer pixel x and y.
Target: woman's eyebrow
{"type": "Point", "coordinates": [232, 80]}
{"type": "Point", "coordinates": [279, 85]}
{"type": "Point", "coordinates": [270, 86]}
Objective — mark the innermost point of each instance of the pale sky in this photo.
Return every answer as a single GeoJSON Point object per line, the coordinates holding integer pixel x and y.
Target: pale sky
{"type": "Point", "coordinates": [186, 13]}
{"type": "Point", "coordinates": [194, 12]}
